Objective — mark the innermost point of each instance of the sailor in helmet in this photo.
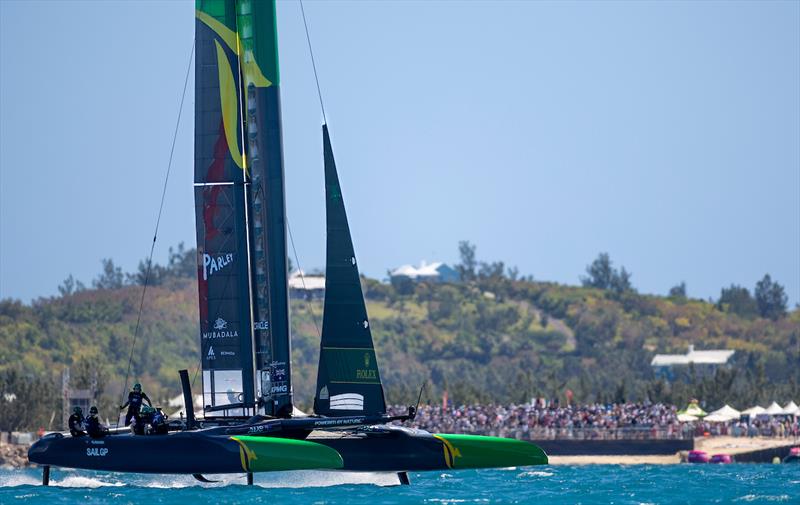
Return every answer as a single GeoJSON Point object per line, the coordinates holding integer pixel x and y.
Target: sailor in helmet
{"type": "Point", "coordinates": [76, 420]}
{"type": "Point", "coordinates": [134, 403]}
{"type": "Point", "coordinates": [93, 425]}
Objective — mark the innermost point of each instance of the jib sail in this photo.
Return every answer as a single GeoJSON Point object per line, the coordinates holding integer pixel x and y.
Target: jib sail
{"type": "Point", "coordinates": [220, 198]}
{"type": "Point", "coordinates": [348, 380]}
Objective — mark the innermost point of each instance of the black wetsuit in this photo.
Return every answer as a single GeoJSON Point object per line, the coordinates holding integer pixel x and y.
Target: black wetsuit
{"type": "Point", "coordinates": [134, 404]}
{"type": "Point", "coordinates": [76, 425]}
{"type": "Point", "coordinates": [94, 428]}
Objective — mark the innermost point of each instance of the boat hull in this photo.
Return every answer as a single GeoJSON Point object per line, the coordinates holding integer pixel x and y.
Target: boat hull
{"type": "Point", "coordinates": [193, 452]}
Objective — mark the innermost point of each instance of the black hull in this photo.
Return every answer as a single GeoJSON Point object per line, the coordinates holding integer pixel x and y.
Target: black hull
{"type": "Point", "coordinates": [199, 452]}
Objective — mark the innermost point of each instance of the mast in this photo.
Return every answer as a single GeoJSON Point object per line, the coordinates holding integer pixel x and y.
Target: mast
{"type": "Point", "coordinates": [348, 380]}
{"type": "Point", "coordinates": [258, 56]}
{"type": "Point", "coordinates": [223, 271]}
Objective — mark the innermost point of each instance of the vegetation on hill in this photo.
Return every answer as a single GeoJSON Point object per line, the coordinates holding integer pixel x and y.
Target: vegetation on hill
{"type": "Point", "coordinates": [493, 338]}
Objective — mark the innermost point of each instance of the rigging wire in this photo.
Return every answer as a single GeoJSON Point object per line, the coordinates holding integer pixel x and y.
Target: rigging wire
{"type": "Point", "coordinates": [325, 121]}
{"type": "Point", "coordinates": [313, 63]}
{"type": "Point", "coordinates": [158, 222]}
{"type": "Point", "coordinates": [302, 278]}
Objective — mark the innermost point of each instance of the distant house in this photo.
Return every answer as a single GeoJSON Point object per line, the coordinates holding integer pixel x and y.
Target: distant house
{"type": "Point", "coordinates": [704, 362]}
{"type": "Point", "coordinates": [433, 272]}
{"type": "Point", "coordinates": [306, 287]}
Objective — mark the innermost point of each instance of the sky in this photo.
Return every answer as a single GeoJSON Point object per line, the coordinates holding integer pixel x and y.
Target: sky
{"type": "Point", "coordinates": [664, 133]}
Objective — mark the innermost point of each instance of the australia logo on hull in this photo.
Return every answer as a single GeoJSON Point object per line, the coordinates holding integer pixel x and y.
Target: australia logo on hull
{"type": "Point", "coordinates": [213, 264]}
{"type": "Point", "coordinates": [220, 330]}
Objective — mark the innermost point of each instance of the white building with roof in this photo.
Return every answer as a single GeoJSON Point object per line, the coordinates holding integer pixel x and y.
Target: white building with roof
{"type": "Point", "coordinates": [306, 286]}
{"type": "Point", "coordinates": [427, 272]}
{"type": "Point", "coordinates": [665, 365]}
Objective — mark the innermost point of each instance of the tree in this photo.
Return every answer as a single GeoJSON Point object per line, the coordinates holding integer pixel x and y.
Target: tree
{"type": "Point", "coordinates": [602, 275]}
{"type": "Point", "coordinates": [737, 300]}
{"type": "Point", "coordinates": [491, 271]}
{"type": "Point", "coordinates": [770, 298]}
{"type": "Point", "coordinates": [70, 286]}
{"type": "Point", "coordinates": [182, 262]}
{"type": "Point", "coordinates": [621, 281]}
{"type": "Point", "coordinates": [512, 273]}
{"type": "Point", "coordinates": [468, 262]}
{"type": "Point", "coordinates": [111, 277]}
{"type": "Point", "coordinates": [678, 291]}
{"type": "Point", "coordinates": [151, 272]}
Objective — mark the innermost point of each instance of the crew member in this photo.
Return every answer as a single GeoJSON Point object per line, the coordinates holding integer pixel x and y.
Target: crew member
{"type": "Point", "coordinates": [76, 421]}
{"type": "Point", "coordinates": [93, 425]}
{"type": "Point", "coordinates": [134, 403]}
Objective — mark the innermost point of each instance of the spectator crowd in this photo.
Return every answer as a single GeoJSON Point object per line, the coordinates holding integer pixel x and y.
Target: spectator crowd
{"type": "Point", "coordinates": [594, 421]}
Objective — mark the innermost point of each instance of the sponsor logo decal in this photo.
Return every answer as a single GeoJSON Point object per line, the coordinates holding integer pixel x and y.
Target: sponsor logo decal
{"type": "Point", "coordinates": [227, 353]}
{"type": "Point", "coordinates": [210, 354]}
{"type": "Point", "coordinates": [282, 388]}
{"type": "Point", "coordinates": [213, 264]}
{"type": "Point", "coordinates": [342, 421]}
{"type": "Point", "coordinates": [367, 373]}
{"type": "Point", "coordinates": [96, 451]}
{"type": "Point", "coordinates": [323, 393]}
{"type": "Point", "coordinates": [221, 330]}
{"type": "Point", "coordinates": [347, 401]}
{"type": "Point", "coordinates": [261, 325]}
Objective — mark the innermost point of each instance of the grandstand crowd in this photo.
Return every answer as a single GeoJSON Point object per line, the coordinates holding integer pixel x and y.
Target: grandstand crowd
{"type": "Point", "coordinates": [594, 421]}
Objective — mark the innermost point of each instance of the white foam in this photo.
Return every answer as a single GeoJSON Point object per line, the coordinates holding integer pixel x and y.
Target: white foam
{"type": "Point", "coordinates": [756, 497]}
{"type": "Point", "coordinates": [537, 473]}
{"type": "Point", "coordinates": [315, 478]}
{"type": "Point", "coordinates": [86, 482]}
{"type": "Point", "coordinates": [295, 479]}
{"type": "Point", "coordinates": [18, 479]}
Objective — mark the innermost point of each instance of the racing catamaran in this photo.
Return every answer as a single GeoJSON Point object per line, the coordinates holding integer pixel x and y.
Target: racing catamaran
{"type": "Point", "coordinates": [249, 422]}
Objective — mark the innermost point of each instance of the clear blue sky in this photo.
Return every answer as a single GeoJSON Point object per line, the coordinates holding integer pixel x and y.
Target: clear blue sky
{"type": "Point", "coordinates": [667, 134]}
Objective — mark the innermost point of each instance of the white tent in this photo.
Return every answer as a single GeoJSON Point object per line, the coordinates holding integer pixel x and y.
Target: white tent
{"type": "Point", "coordinates": [717, 418]}
{"type": "Point", "coordinates": [686, 418]}
{"type": "Point", "coordinates": [754, 411]}
{"type": "Point", "coordinates": [726, 413]}
{"type": "Point", "coordinates": [791, 408]}
{"type": "Point", "coordinates": [774, 410]}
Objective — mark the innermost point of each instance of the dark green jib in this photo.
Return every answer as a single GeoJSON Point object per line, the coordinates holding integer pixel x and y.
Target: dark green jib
{"type": "Point", "coordinates": [348, 375]}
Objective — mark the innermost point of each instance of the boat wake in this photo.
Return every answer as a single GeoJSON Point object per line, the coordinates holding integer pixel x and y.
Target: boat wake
{"type": "Point", "coordinates": [297, 479]}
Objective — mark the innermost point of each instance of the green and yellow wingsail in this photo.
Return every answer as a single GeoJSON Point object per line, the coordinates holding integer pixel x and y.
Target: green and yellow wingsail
{"type": "Point", "coordinates": [241, 217]}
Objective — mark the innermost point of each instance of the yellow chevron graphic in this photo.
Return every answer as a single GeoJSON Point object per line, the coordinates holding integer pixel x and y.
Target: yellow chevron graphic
{"type": "Point", "coordinates": [230, 105]}
{"type": "Point", "coordinates": [450, 452]}
{"type": "Point", "coordinates": [245, 453]}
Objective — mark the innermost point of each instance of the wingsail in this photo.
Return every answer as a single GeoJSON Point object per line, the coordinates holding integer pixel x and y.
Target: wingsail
{"type": "Point", "coordinates": [222, 262]}
{"type": "Point", "coordinates": [348, 379]}
{"type": "Point", "coordinates": [258, 56]}
{"type": "Point", "coordinates": [241, 217]}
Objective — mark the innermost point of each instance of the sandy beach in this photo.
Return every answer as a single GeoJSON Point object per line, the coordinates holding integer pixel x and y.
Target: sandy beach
{"type": "Point", "coordinates": [712, 445]}
{"type": "Point", "coordinates": [615, 460]}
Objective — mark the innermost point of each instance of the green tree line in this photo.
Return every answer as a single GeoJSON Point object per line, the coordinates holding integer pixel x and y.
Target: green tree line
{"type": "Point", "coordinates": [495, 337]}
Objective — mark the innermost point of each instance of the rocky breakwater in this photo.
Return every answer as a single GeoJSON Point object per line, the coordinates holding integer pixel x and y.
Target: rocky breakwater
{"type": "Point", "coordinates": [14, 455]}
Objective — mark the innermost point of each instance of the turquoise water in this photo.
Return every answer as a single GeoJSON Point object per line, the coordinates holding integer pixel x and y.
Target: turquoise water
{"type": "Point", "coordinates": [695, 484]}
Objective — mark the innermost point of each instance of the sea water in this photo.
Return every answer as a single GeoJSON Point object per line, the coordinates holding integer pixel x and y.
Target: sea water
{"type": "Point", "coordinates": [691, 484]}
